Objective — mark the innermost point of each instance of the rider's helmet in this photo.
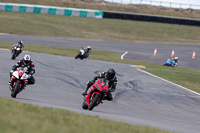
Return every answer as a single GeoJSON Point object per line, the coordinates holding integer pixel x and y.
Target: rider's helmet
{"type": "Point", "coordinates": [110, 74]}
{"type": "Point", "coordinates": [176, 58]}
{"type": "Point", "coordinates": [20, 42]}
{"type": "Point", "coordinates": [26, 59]}
{"type": "Point", "coordinates": [88, 47]}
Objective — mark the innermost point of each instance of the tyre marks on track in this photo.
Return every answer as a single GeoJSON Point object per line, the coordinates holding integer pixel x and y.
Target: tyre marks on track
{"type": "Point", "coordinates": [131, 87]}
{"type": "Point", "coordinates": [69, 79]}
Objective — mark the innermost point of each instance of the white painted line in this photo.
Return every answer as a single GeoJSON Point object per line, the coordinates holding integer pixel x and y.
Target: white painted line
{"type": "Point", "coordinates": [168, 81]}
{"type": "Point", "coordinates": [122, 57]}
{"type": "Point", "coordinates": [4, 49]}
{"type": "Point", "coordinates": [3, 33]}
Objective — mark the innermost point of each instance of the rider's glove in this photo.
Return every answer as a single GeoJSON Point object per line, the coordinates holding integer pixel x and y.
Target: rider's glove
{"type": "Point", "coordinates": [29, 76]}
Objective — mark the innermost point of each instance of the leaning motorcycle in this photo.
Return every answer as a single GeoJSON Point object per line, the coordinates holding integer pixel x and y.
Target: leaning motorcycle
{"type": "Point", "coordinates": [20, 77]}
{"type": "Point", "coordinates": [171, 63]}
{"type": "Point", "coordinates": [16, 50]}
{"type": "Point", "coordinates": [82, 54]}
{"type": "Point", "coordinates": [95, 94]}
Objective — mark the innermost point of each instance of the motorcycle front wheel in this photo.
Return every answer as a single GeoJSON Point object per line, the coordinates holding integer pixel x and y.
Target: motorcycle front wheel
{"type": "Point", "coordinates": [14, 56]}
{"type": "Point", "coordinates": [94, 102]}
{"type": "Point", "coordinates": [78, 56]}
{"type": "Point", "coordinates": [16, 90]}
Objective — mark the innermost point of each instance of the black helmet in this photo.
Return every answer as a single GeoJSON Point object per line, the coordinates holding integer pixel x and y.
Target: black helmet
{"type": "Point", "coordinates": [110, 73]}
{"type": "Point", "coordinates": [20, 42]}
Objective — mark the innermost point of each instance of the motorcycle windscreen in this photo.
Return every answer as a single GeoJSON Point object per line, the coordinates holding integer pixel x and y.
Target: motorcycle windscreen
{"type": "Point", "coordinates": [101, 85]}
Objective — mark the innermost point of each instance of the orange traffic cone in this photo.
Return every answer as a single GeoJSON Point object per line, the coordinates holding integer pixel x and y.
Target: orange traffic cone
{"type": "Point", "coordinates": [155, 52]}
{"type": "Point", "coordinates": [193, 55]}
{"type": "Point", "coordinates": [172, 55]}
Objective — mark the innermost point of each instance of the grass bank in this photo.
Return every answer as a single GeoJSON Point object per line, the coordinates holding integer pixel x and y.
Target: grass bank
{"type": "Point", "coordinates": [17, 117]}
{"type": "Point", "coordinates": [94, 4]}
{"type": "Point", "coordinates": [99, 29]}
{"type": "Point", "coordinates": [188, 78]}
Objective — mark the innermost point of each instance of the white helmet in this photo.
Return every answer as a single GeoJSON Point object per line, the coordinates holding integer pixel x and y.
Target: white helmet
{"type": "Point", "coordinates": [27, 58]}
{"type": "Point", "coordinates": [176, 58]}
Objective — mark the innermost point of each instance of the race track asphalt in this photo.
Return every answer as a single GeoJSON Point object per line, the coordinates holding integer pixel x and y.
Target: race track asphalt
{"type": "Point", "coordinates": [136, 51]}
{"type": "Point", "coordinates": [139, 99]}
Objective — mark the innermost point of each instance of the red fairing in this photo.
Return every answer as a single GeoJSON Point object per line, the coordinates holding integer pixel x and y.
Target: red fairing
{"type": "Point", "coordinates": [97, 88]}
{"type": "Point", "coordinates": [101, 86]}
{"type": "Point", "coordinates": [20, 73]}
{"type": "Point", "coordinates": [88, 98]}
{"type": "Point", "coordinates": [16, 82]}
{"type": "Point", "coordinates": [91, 95]}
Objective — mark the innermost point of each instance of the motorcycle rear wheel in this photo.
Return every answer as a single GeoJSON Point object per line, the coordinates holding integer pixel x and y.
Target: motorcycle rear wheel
{"type": "Point", "coordinates": [94, 102]}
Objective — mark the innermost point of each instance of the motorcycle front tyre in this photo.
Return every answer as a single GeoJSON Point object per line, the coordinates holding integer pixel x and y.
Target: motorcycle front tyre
{"type": "Point", "coordinates": [16, 90]}
{"type": "Point", "coordinates": [94, 102]}
{"type": "Point", "coordinates": [78, 56]}
{"type": "Point", "coordinates": [14, 56]}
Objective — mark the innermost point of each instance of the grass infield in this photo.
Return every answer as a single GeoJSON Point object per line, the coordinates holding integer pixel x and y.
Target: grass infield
{"type": "Point", "coordinates": [97, 29]}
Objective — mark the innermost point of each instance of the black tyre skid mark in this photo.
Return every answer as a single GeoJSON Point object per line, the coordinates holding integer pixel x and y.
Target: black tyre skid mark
{"type": "Point", "coordinates": [131, 87]}
{"type": "Point", "coordinates": [78, 85]}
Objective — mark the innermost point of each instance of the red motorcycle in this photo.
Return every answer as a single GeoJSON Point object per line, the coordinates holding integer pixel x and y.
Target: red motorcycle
{"type": "Point", "coordinates": [95, 94]}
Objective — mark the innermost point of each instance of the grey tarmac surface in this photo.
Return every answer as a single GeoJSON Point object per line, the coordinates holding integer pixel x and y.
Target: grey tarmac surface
{"type": "Point", "coordinates": [136, 51]}
{"type": "Point", "coordinates": [139, 99]}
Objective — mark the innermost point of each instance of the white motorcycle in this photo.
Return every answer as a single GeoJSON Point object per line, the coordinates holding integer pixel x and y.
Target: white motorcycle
{"type": "Point", "coordinates": [20, 77]}
{"type": "Point", "coordinates": [82, 54]}
{"type": "Point", "coordinates": [16, 50]}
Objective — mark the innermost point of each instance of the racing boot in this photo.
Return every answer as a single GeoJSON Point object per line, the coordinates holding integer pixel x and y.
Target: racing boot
{"type": "Point", "coordinates": [11, 84]}
{"type": "Point", "coordinates": [26, 83]}
{"type": "Point", "coordinates": [89, 84]}
{"type": "Point", "coordinates": [85, 93]}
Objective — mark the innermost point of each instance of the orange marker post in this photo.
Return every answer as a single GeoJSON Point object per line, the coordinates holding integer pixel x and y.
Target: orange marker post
{"type": "Point", "coordinates": [193, 55]}
{"type": "Point", "coordinates": [155, 52]}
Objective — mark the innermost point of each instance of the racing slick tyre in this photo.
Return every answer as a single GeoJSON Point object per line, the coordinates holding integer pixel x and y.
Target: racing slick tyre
{"type": "Point", "coordinates": [94, 102]}
{"type": "Point", "coordinates": [14, 56]}
{"type": "Point", "coordinates": [78, 56]}
{"type": "Point", "coordinates": [16, 90]}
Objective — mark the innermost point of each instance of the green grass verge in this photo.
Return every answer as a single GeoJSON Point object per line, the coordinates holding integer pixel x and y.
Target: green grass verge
{"type": "Point", "coordinates": [100, 29]}
{"type": "Point", "coordinates": [17, 117]}
{"type": "Point", "coordinates": [188, 78]}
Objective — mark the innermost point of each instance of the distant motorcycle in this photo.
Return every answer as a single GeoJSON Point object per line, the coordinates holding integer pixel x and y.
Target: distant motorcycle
{"type": "Point", "coordinates": [170, 62]}
{"type": "Point", "coordinates": [16, 50]}
{"type": "Point", "coordinates": [82, 54]}
{"type": "Point", "coordinates": [19, 84]}
{"type": "Point", "coordinates": [95, 94]}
